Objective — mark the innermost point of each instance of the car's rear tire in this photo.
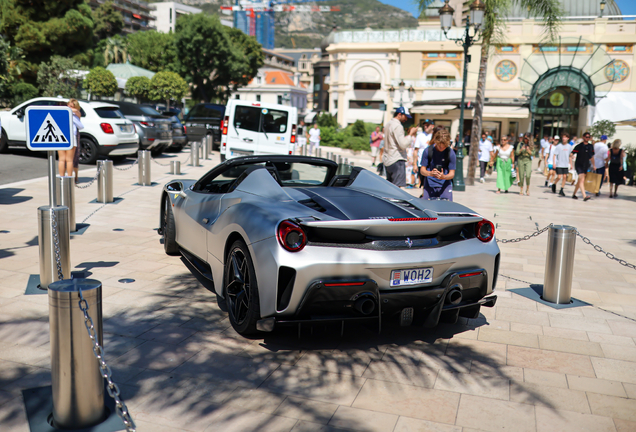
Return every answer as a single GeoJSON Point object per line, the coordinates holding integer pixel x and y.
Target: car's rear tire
{"type": "Point", "coordinates": [222, 158]}
{"type": "Point", "coordinates": [88, 151]}
{"type": "Point", "coordinates": [4, 141]}
{"type": "Point", "coordinates": [168, 229]}
{"type": "Point", "coordinates": [241, 289]}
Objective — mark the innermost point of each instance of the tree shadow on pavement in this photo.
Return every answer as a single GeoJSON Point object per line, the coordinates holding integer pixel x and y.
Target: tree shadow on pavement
{"type": "Point", "coordinates": [179, 364]}
{"type": "Point", "coordinates": [8, 196]}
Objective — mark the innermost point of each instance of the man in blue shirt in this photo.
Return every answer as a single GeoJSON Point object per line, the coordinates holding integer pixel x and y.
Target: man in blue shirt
{"type": "Point", "coordinates": [438, 167]}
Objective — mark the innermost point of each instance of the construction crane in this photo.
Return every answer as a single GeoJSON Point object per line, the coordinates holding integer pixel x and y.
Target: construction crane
{"type": "Point", "coordinates": [256, 18]}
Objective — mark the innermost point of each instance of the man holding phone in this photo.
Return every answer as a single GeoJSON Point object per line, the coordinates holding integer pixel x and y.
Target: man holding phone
{"type": "Point", "coordinates": [438, 167]}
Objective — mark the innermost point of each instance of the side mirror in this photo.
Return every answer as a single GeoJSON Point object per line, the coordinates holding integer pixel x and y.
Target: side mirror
{"type": "Point", "coordinates": [20, 113]}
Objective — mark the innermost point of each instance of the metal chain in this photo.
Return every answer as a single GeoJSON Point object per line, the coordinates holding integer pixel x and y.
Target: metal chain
{"type": "Point", "coordinates": [56, 245]}
{"type": "Point", "coordinates": [609, 255]}
{"type": "Point", "coordinates": [96, 210]}
{"type": "Point", "coordinates": [526, 237]}
{"type": "Point", "coordinates": [93, 179]}
{"type": "Point", "coordinates": [107, 373]}
{"type": "Point", "coordinates": [126, 169]}
{"type": "Point", "coordinates": [155, 161]}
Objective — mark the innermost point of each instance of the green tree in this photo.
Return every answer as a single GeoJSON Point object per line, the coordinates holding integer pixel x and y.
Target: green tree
{"type": "Point", "coordinates": [252, 53]}
{"type": "Point", "coordinates": [42, 29]}
{"type": "Point", "coordinates": [108, 21]}
{"type": "Point", "coordinates": [152, 50]}
{"type": "Point", "coordinates": [167, 86]}
{"type": "Point", "coordinates": [21, 92]}
{"type": "Point", "coordinates": [138, 87]}
{"type": "Point", "coordinates": [326, 120]}
{"type": "Point", "coordinates": [114, 50]}
{"type": "Point", "coordinates": [56, 77]}
{"type": "Point", "coordinates": [493, 33]}
{"type": "Point", "coordinates": [603, 127]}
{"type": "Point", "coordinates": [207, 57]}
{"type": "Point", "coordinates": [358, 129]}
{"type": "Point", "coordinates": [101, 82]}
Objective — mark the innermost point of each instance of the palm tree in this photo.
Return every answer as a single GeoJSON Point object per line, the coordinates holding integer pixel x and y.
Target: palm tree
{"type": "Point", "coordinates": [493, 32]}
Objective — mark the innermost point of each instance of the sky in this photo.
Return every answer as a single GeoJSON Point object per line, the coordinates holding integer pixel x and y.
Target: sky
{"type": "Point", "coordinates": [628, 7]}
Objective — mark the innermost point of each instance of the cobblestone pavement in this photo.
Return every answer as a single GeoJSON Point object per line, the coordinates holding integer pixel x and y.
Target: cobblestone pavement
{"type": "Point", "coordinates": [521, 366]}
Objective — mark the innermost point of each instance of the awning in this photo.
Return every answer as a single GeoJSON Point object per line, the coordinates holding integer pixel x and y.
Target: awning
{"type": "Point", "coordinates": [441, 68]}
{"type": "Point", "coordinates": [615, 106]}
{"type": "Point", "coordinates": [432, 109]}
{"type": "Point", "coordinates": [506, 112]}
{"type": "Point", "coordinates": [628, 122]}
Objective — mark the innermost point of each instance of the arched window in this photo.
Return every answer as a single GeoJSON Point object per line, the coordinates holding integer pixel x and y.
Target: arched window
{"type": "Point", "coordinates": [441, 71]}
{"type": "Point", "coordinates": [367, 78]}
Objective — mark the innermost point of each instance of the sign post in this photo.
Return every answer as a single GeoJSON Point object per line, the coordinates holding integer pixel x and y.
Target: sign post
{"type": "Point", "coordinates": [49, 128]}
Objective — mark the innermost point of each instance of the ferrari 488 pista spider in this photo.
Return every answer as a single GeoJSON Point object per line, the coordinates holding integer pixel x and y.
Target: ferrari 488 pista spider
{"type": "Point", "coordinates": [293, 239]}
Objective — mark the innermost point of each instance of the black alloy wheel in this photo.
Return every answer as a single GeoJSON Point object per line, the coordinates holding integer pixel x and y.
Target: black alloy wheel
{"type": "Point", "coordinates": [88, 151]}
{"type": "Point", "coordinates": [4, 141]}
{"type": "Point", "coordinates": [241, 290]}
{"type": "Point", "coordinates": [168, 229]}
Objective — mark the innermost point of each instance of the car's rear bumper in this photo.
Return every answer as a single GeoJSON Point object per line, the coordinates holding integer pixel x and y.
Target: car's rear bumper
{"type": "Point", "coordinates": [123, 149]}
{"type": "Point", "coordinates": [460, 294]}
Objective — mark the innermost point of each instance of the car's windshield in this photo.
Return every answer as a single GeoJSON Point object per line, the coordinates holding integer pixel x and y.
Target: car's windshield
{"type": "Point", "coordinates": [207, 111]}
{"type": "Point", "coordinates": [149, 111]}
{"type": "Point", "coordinates": [289, 174]}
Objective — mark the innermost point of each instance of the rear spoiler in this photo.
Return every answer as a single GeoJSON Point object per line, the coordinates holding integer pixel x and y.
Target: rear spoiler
{"type": "Point", "coordinates": [398, 227]}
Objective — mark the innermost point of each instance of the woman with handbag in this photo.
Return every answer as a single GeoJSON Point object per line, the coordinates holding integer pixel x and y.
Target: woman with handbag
{"type": "Point", "coordinates": [524, 165]}
{"type": "Point", "coordinates": [615, 170]}
{"type": "Point", "coordinates": [505, 158]}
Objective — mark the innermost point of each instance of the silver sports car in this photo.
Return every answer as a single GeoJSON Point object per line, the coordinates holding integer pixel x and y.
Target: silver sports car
{"type": "Point", "coordinates": [293, 239]}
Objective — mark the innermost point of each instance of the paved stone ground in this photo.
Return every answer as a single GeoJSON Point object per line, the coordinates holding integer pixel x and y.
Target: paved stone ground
{"type": "Point", "coordinates": [520, 366]}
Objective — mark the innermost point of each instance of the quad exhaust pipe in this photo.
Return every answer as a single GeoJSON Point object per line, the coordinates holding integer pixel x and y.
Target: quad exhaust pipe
{"type": "Point", "coordinates": [454, 297]}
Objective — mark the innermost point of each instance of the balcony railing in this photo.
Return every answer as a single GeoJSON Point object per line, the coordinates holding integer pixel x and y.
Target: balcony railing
{"type": "Point", "coordinates": [427, 84]}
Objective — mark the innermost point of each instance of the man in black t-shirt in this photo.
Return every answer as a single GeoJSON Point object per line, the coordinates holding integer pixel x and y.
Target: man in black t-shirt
{"type": "Point", "coordinates": [584, 153]}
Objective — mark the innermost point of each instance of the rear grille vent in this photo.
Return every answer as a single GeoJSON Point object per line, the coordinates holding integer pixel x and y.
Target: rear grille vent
{"type": "Point", "coordinates": [456, 215]}
{"type": "Point", "coordinates": [402, 203]}
{"type": "Point", "coordinates": [312, 205]}
{"type": "Point", "coordinates": [286, 279]}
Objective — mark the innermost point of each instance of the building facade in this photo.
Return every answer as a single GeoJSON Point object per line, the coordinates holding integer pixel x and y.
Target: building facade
{"type": "Point", "coordinates": [304, 60]}
{"type": "Point", "coordinates": [137, 14]}
{"type": "Point", "coordinates": [585, 76]}
{"type": "Point", "coordinates": [167, 13]}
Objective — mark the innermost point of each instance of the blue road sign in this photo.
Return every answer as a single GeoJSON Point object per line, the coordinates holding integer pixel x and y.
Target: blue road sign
{"type": "Point", "coordinates": [49, 128]}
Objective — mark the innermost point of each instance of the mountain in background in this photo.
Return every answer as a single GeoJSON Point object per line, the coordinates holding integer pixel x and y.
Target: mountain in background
{"type": "Point", "coordinates": [307, 29]}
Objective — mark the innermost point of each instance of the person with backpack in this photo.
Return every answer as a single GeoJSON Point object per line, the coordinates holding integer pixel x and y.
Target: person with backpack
{"type": "Point", "coordinates": [438, 167]}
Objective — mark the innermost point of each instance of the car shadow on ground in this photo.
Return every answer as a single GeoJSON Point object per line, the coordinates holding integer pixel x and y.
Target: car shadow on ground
{"type": "Point", "coordinates": [9, 196]}
{"type": "Point", "coordinates": [178, 362]}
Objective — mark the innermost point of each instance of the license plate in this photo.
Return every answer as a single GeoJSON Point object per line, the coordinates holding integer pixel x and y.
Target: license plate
{"type": "Point", "coordinates": [411, 276]}
{"type": "Point", "coordinates": [240, 153]}
{"type": "Point", "coordinates": [126, 128]}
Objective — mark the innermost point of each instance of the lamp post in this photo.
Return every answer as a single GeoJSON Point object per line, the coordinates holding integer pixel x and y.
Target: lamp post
{"type": "Point", "coordinates": [476, 16]}
{"type": "Point", "coordinates": [602, 8]}
{"type": "Point", "coordinates": [401, 86]}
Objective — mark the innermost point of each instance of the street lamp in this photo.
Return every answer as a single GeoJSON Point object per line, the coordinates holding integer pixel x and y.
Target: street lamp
{"type": "Point", "coordinates": [401, 86]}
{"type": "Point", "coordinates": [602, 8]}
{"type": "Point", "coordinates": [411, 93]}
{"type": "Point", "coordinates": [476, 15]}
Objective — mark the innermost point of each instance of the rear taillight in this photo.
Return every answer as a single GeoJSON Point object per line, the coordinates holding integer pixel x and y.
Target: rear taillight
{"type": "Point", "coordinates": [485, 230]}
{"type": "Point", "coordinates": [293, 135]}
{"type": "Point", "coordinates": [291, 236]}
{"type": "Point", "coordinates": [147, 124]}
{"type": "Point", "coordinates": [185, 130]}
{"type": "Point", "coordinates": [107, 128]}
{"type": "Point", "coordinates": [226, 122]}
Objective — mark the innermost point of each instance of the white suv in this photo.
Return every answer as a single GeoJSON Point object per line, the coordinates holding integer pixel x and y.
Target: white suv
{"type": "Point", "coordinates": [106, 131]}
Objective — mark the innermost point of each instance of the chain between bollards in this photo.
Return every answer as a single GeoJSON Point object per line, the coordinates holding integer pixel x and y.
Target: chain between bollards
{"type": "Point", "coordinates": [127, 168]}
{"type": "Point", "coordinates": [107, 373]}
{"type": "Point", "coordinates": [90, 183]}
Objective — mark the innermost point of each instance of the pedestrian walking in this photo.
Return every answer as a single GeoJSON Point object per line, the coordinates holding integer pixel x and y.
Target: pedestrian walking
{"type": "Point", "coordinates": [422, 141]}
{"type": "Point", "coordinates": [376, 138]}
{"type": "Point", "coordinates": [485, 155]}
{"type": "Point", "coordinates": [301, 136]}
{"type": "Point", "coordinates": [438, 167]}
{"type": "Point", "coordinates": [550, 180]}
{"type": "Point", "coordinates": [524, 164]}
{"type": "Point", "coordinates": [545, 143]}
{"type": "Point", "coordinates": [615, 169]}
{"type": "Point", "coordinates": [584, 153]}
{"type": "Point", "coordinates": [395, 145]}
{"type": "Point", "coordinates": [562, 162]}
{"type": "Point", "coordinates": [504, 158]}
{"type": "Point", "coordinates": [601, 152]}
{"type": "Point", "coordinates": [314, 138]}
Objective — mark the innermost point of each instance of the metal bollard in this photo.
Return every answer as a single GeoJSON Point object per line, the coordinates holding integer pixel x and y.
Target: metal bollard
{"type": "Point", "coordinates": [210, 144]}
{"type": "Point", "coordinates": [144, 168]}
{"type": "Point", "coordinates": [339, 160]}
{"type": "Point", "coordinates": [206, 148]}
{"type": "Point", "coordinates": [171, 171]}
{"type": "Point", "coordinates": [105, 181]}
{"type": "Point", "coordinates": [346, 161]}
{"type": "Point", "coordinates": [65, 196]}
{"type": "Point", "coordinates": [559, 264]}
{"type": "Point", "coordinates": [76, 381]}
{"type": "Point", "coordinates": [177, 167]}
{"type": "Point", "coordinates": [319, 152]}
{"type": "Point", "coordinates": [46, 244]}
{"type": "Point", "coordinates": [194, 153]}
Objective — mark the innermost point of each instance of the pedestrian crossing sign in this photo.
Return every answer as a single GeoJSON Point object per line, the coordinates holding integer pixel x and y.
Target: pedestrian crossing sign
{"type": "Point", "coordinates": [49, 128]}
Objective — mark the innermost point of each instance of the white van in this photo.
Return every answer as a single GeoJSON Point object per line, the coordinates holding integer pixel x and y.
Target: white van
{"type": "Point", "coordinates": [256, 128]}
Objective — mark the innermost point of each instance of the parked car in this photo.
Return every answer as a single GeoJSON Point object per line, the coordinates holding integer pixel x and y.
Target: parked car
{"type": "Point", "coordinates": [155, 131]}
{"type": "Point", "coordinates": [255, 128]}
{"type": "Point", "coordinates": [295, 239]}
{"type": "Point", "coordinates": [106, 131]}
{"type": "Point", "coordinates": [179, 137]}
{"type": "Point", "coordinates": [205, 119]}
